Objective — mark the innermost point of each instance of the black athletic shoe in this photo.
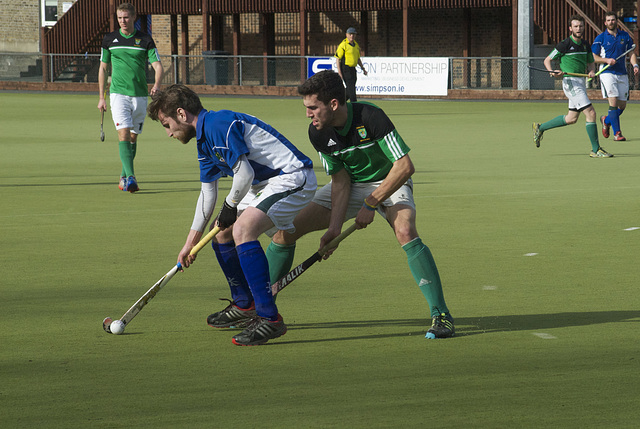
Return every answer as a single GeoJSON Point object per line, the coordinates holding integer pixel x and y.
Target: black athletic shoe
{"type": "Point", "coordinates": [442, 327]}
{"type": "Point", "coordinates": [259, 331]}
{"type": "Point", "coordinates": [232, 316]}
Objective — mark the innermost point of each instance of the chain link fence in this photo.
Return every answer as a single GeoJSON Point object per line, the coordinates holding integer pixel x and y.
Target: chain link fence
{"type": "Point", "coordinates": [221, 68]}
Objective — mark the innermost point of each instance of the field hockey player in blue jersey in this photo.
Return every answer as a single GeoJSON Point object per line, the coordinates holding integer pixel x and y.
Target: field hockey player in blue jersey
{"type": "Point", "coordinates": [272, 182]}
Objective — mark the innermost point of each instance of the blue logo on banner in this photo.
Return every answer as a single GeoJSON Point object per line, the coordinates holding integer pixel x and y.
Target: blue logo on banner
{"type": "Point", "coordinates": [317, 64]}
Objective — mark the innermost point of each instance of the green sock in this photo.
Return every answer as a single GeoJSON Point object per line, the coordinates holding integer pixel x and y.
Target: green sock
{"type": "Point", "coordinates": [280, 258]}
{"type": "Point", "coordinates": [556, 122]}
{"type": "Point", "coordinates": [126, 156]}
{"type": "Point", "coordinates": [425, 273]}
{"type": "Point", "coordinates": [592, 132]}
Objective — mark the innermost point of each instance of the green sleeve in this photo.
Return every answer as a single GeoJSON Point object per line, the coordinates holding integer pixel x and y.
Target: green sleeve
{"type": "Point", "coordinates": [555, 54]}
{"type": "Point", "coordinates": [106, 56]}
{"type": "Point", "coordinates": [393, 146]}
{"type": "Point", "coordinates": [330, 164]}
{"type": "Point", "coordinates": [153, 55]}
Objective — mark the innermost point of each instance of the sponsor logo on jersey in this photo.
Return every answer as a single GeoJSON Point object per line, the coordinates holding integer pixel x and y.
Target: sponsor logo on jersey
{"type": "Point", "coordinates": [331, 143]}
{"type": "Point", "coordinates": [115, 40]}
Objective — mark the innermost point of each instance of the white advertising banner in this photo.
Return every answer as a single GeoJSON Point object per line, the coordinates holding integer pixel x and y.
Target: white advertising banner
{"type": "Point", "coordinates": [395, 75]}
{"type": "Point", "coordinates": [403, 76]}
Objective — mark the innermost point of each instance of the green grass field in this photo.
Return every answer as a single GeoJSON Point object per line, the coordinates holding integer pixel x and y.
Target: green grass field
{"type": "Point", "coordinates": [532, 246]}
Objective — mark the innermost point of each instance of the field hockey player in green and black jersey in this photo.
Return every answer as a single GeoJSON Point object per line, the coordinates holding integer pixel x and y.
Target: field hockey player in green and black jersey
{"type": "Point", "coordinates": [370, 170]}
{"type": "Point", "coordinates": [574, 55]}
{"type": "Point", "coordinates": [128, 50]}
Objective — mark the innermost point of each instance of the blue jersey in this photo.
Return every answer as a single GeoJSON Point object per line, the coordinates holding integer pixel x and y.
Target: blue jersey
{"type": "Point", "coordinates": [607, 45]}
{"type": "Point", "coordinates": [223, 136]}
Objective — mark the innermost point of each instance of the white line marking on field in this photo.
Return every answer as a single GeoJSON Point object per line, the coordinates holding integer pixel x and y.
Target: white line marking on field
{"type": "Point", "coordinates": [544, 336]}
{"type": "Point", "coordinates": [633, 228]}
{"type": "Point", "coordinates": [530, 254]}
{"type": "Point", "coordinates": [489, 287]}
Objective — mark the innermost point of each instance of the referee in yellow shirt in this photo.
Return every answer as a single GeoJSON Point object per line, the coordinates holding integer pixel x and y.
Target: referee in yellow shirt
{"type": "Point", "coordinates": [347, 58]}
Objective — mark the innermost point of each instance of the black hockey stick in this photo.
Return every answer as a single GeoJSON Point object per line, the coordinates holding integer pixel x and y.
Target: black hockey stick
{"type": "Point", "coordinates": [297, 271]}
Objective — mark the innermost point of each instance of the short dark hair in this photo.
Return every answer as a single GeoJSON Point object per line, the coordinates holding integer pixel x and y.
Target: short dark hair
{"type": "Point", "coordinates": [576, 18]}
{"type": "Point", "coordinates": [170, 99]}
{"type": "Point", "coordinates": [326, 85]}
{"type": "Point", "coordinates": [610, 13]}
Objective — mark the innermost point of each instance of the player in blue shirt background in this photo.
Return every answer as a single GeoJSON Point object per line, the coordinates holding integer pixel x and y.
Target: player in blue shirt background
{"type": "Point", "coordinates": [272, 182]}
{"type": "Point", "coordinates": [614, 80]}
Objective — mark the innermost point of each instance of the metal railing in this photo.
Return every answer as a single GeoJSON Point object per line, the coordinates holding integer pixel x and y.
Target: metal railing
{"type": "Point", "coordinates": [219, 68]}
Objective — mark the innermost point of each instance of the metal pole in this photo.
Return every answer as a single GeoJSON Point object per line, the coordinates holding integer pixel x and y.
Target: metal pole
{"type": "Point", "coordinates": [525, 42]}
{"type": "Point", "coordinates": [175, 68]}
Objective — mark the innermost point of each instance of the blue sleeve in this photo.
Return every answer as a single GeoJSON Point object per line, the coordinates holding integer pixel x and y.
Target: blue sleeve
{"type": "Point", "coordinates": [629, 42]}
{"type": "Point", "coordinates": [596, 46]}
{"type": "Point", "coordinates": [209, 171]}
{"type": "Point", "coordinates": [236, 146]}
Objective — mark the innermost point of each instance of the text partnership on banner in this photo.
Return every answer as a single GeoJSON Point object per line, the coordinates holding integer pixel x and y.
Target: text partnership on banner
{"type": "Point", "coordinates": [395, 75]}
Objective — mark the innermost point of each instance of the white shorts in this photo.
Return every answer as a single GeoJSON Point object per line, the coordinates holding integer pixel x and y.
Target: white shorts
{"type": "Point", "coordinates": [359, 191]}
{"type": "Point", "coordinates": [615, 85]}
{"type": "Point", "coordinates": [576, 91]}
{"type": "Point", "coordinates": [128, 112]}
{"type": "Point", "coordinates": [282, 197]}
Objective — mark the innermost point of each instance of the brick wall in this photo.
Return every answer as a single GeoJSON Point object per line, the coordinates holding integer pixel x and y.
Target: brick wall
{"type": "Point", "coordinates": [433, 33]}
{"type": "Point", "coordinates": [19, 26]}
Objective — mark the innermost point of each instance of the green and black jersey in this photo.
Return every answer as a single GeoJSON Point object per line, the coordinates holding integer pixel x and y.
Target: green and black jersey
{"type": "Point", "coordinates": [128, 56]}
{"type": "Point", "coordinates": [574, 57]}
{"type": "Point", "coordinates": [367, 146]}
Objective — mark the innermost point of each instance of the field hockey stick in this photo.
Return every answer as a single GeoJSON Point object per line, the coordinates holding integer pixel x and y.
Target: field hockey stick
{"type": "Point", "coordinates": [148, 296]}
{"type": "Point", "coordinates": [102, 121]}
{"type": "Point", "coordinates": [551, 71]}
{"type": "Point", "coordinates": [102, 125]}
{"type": "Point", "coordinates": [297, 271]}
{"type": "Point", "coordinates": [609, 65]}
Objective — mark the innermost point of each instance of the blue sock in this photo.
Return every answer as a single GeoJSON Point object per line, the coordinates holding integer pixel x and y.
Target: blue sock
{"type": "Point", "coordinates": [614, 119]}
{"type": "Point", "coordinates": [230, 264]}
{"type": "Point", "coordinates": [256, 270]}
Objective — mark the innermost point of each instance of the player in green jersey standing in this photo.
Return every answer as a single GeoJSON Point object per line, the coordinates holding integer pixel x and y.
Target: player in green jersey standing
{"type": "Point", "coordinates": [128, 50]}
{"type": "Point", "coordinates": [370, 172]}
{"type": "Point", "coordinates": [575, 56]}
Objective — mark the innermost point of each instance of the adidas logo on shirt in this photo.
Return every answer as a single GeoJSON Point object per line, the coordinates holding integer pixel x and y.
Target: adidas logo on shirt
{"type": "Point", "coordinates": [331, 143]}
{"type": "Point", "coordinates": [115, 40]}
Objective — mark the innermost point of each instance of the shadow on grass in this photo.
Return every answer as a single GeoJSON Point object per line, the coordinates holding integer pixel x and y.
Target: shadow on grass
{"type": "Point", "coordinates": [466, 326]}
{"type": "Point", "coordinates": [110, 183]}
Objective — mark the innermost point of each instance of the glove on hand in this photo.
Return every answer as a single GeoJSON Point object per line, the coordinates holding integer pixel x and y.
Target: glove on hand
{"type": "Point", "coordinates": [227, 216]}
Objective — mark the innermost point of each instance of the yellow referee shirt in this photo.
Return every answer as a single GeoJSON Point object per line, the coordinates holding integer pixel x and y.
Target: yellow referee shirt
{"type": "Point", "coordinates": [351, 53]}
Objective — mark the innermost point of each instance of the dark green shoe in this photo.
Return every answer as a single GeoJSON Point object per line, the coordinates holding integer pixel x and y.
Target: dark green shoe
{"type": "Point", "coordinates": [442, 327]}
